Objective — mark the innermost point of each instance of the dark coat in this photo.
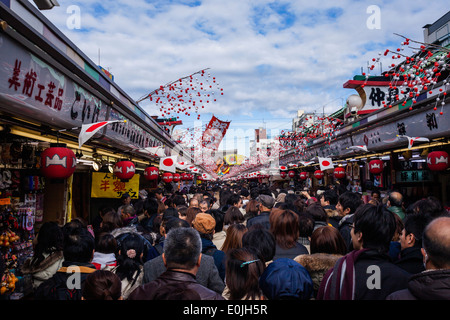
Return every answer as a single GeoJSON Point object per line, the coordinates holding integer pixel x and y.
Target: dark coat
{"type": "Point", "coordinates": [411, 260]}
{"type": "Point", "coordinates": [262, 219]}
{"type": "Point", "coordinates": [369, 267]}
{"type": "Point", "coordinates": [207, 274]}
{"type": "Point", "coordinates": [219, 256]}
{"type": "Point", "coordinates": [173, 281]}
{"type": "Point", "coordinates": [290, 253]}
{"type": "Point", "coordinates": [345, 228]}
{"type": "Point", "coordinates": [56, 288]}
{"type": "Point", "coordinates": [427, 285]}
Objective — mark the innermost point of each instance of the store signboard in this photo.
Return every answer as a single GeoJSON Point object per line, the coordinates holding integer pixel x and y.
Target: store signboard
{"type": "Point", "coordinates": [107, 185]}
{"type": "Point", "coordinates": [33, 89]}
{"type": "Point", "coordinates": [414, 176]}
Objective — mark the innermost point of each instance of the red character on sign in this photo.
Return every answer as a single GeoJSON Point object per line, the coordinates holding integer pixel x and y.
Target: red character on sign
{"type": "Point", "coordinates": [14, 80]}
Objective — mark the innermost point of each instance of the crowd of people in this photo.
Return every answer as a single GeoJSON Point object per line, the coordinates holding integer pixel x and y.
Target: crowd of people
{"type": "Point", "coordinates": [248, 242]}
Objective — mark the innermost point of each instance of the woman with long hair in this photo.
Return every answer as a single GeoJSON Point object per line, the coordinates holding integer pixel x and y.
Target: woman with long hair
{"type": "Point", "coordinates": [130, 267]}
{"type": "Point", "coordinates": [233, 239]}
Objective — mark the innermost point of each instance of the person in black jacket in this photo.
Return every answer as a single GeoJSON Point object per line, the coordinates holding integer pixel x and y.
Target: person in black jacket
{"type": "Point", "coordinates": [434, 282]}
{"type": "Point", "coordinates": [347, 204]}
{"type": "Point", "coordinates": [78, 250]}
{"type": "Point", "coordinates": [366, 273]}
{"type": "Point", "coordinates": [411, 243]}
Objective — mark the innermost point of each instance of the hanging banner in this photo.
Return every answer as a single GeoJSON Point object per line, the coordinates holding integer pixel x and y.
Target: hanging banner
{"type": "Point", "coordinates": [214, 133]}
{"type": "Point", "coordinates": [107, 185]}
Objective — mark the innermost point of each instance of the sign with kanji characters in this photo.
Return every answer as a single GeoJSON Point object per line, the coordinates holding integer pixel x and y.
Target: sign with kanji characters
{"type": "Point", "coordinates": [414, 176]}
{"type": "Point", "coordinates": [107, 185]}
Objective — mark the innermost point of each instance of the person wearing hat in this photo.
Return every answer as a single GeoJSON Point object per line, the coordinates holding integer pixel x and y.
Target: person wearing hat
{"type": "Point", "coordinates": [205, 224]}
{"type": "Point", "coordinates": [266, 203]}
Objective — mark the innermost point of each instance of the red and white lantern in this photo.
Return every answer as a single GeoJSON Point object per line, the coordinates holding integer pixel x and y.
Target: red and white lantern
{"type": "Point", "coordinates": [151, 173]}
{"type": "Point", "coordinates": [58, 162]}
{"type": "Point", "coordinates": [283, 174]}
{"type": "Point", "coordinates": [291, 174]}
{"type": "Point", "coordinates": [339, 173]}
{"type": "Point", "coordinates": [318, 174]}
{"type": "Point", "coordinates": [376, 166]}
{"type": "Point", "coordinates": [184, 176]}
{"type": "Point", "coordinates": [167, 177]}
{"type": "Point", "coordinates": [176, 177]}
{"type": "Point", "coordinates": [303, 175]}
{"type": "Point", "coordinates": [124, 170]}
{"type": "Point", "coordinates": [437, 160]}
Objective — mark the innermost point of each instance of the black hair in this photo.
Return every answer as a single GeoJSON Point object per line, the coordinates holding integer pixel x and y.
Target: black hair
{"type": "Point", "coordinates": [260, 240]}
{"type": "Point", "coordinates": [128, 262]}
{"type": "Point", "coordinates": [331, 196]}
{"type": "Point", "coordinates": [178, 200]}
{"type": "Point", "coordinates": [219, 216]}
{"type": "Point", "coordinates": [50, 239]}
{"type": "Point", "coordinates": [415, 224]}
{"type": "Point", "coordinates": [317, 212]}
{"type": "Point", "coordinates": [78, 245]}
{"type": "Point", "coordinates": [151, 206]}
{"type": "Point", "coordinates": [377, 225]}
{"type": "Point", "coordinates": [173, 223]}
{"type": "Point", "coordinates": [170, 212]}
{"type": "Point", "coordinates": [233, 199]}
{"type": "Point", "coordinates": [350, 200]}
{"type": "Point", "coordinates": [106, 243]}
{"type": "Point", "coordinates": [306, 224]}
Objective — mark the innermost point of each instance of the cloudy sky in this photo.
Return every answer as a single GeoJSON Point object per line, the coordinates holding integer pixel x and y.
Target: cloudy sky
{"type": "Point", "coordinates": [271, 58]}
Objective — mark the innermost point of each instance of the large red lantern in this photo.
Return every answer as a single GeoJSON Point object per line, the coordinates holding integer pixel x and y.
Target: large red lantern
{"type": "Point", "coordinates": [124, 170]}
{"type": "Point", "coordinates": [339, 173]}
{"type": "Point", "coordinates": [176, 177]}
{"type": "Point", "coordinates": [151, 173]}
{"type": "Point", "coordinates": [167, 177]}
{"type": "Point", "coordinates": [291, 174]}
{"type": "Point", "coordinates": [58, 162]}
{"type": "Point", "coordinates": [184, 176]}
{"type": "Point", "coordinates": [437, 160]}
{"type": "Point", "coordinates": [303, 175]}
{"type": "Point", "coordinates": [376, 166]}
{"type": "Point", "coordinates": [318, 174]}
{"type": "Point", "coordinates": [283, 174]}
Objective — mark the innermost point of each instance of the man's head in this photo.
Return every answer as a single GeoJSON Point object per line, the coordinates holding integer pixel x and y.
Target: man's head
{"type": "Point", "coordinates": [414, 225]}
{"type": "Point", "coordinates": [266, 202]}
{"type": "Point", "coordinates": [193, 203]}
{"type": "Point", "coordinates": [182, 249]}
{"type": "Point", "coordinates": [348, 203]}
{"type": "Point", "coordinates": [373, 227]}
{"type": "Point", "coordinates": [204, 205]}
{"type": "Point", "coordinates": [126, 199]}
{"type": "Point", "coordinates": [329, 198]}
{"type": "Point", "coordinates": [395, 199]}
{"type": "Point", "coordinates": [79, 245]}
{"type": "Point", "coordinates": [436, 244]}
{"type": "Point", "coordinates": [235, 200]}
{"type": "Point", "coordinates": [127, 212]}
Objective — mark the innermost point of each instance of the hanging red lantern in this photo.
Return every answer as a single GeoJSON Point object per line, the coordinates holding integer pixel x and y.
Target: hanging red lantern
{"type": "Point", "coordinates": [167, 177]}
{"type": "Point", "coordinates": [376, 166]}
{"type": "Point", "coordinates": [318, 174]}
{"type": "Point", "coordinates": [437, 160]}
{"type": "Point", "coordinates": [339, 173]}
{"type": "Point", "coordinates": [283, 174]}
{"type": "Point", "coordinates": [176, 177]}
{"type": "Point", "coordinates": [303, 175]}
{"type": "Point", "coordinates": [58, 162]}
{"type": "Point", "coordinates": [151, 173]}
{"type": "Point", "coordinates": [291, 174]}
{"type": "Point", "coordinates": [124, 170]}
{"type": "Point", "coordinates": [184, 176]}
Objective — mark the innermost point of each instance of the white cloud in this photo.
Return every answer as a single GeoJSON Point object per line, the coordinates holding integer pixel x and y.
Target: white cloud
{"type": "Point", "coordinates": [270, 57]}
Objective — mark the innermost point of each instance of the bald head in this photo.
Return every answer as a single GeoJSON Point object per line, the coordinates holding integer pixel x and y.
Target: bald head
{"type": "Point", "coordinates": [395, 199]}
{"type": "Point", "coordinates": [436, 242]}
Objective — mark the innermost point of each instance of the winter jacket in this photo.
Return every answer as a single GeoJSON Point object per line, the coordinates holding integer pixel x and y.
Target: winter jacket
{"type": "Point", "coordinates": [65, 284]}
{"type": "Point", "coordinates": [45, 270]}
{"type": "Point", "coordinates": [262, 218]}
{"type": "Point", "coordinates": [218, 255]}
{"type": "Point", "coordinates": [369, 275]}
{"type": "Point", "coordinates": [411, 260]}
{"type": "Point", "coordinates": [427, 285]}
{"type": "Point", "coordinates": [122, 233]}
{"type": "Point", "coordinates": [207, 274]}
{"type": "Point", "coordinates": [130, 286]}
{"type": "Point", "coordinates": [290, 253]}
{"type": "Point", "coordinates": [172, 281]}
{"type": "Point", "coordinates": [345, 228]}
{"type": "Point", "coordinates": [317, 265]}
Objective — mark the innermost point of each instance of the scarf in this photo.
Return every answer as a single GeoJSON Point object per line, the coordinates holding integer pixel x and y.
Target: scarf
{"type": "Point", "coordinates": [339, 282]}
